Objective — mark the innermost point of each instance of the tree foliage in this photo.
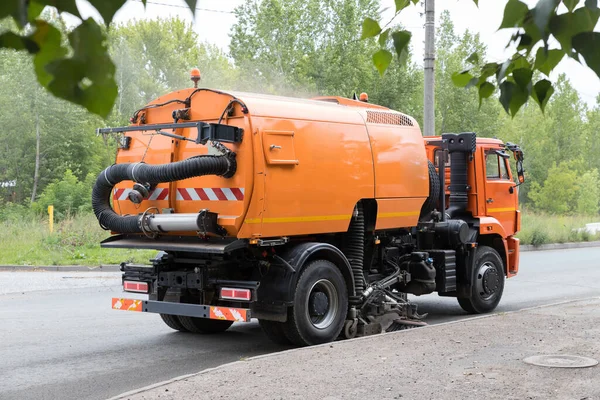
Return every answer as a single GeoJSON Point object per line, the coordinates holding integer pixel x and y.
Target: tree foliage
{"type": "Point", "coordinates": [526, 73]}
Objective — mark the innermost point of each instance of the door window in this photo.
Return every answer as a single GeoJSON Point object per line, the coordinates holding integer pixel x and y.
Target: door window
{"type": "Point", "coordinates": [492, 169]}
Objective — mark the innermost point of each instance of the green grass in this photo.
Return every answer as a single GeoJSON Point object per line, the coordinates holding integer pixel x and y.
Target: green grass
{"type": "Point", "coordinates": [75, 241]}
{"type": "Point", "coordinates": [539, 228]}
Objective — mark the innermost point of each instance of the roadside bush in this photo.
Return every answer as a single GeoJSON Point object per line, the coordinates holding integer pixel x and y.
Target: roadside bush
{"type": "Point", "coordinates": [15, 212]}
{"type": "Point", "coordinates": [68, 195]}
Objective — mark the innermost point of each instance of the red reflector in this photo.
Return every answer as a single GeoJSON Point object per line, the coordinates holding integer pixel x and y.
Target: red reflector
{"type": "Point", "coordinates": [137, 287]}
{"type": "Point", "coordinates": [236, 294]}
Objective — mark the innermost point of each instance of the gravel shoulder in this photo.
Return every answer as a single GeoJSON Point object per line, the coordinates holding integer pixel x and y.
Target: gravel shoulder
{"type": "Point", "coordinates": [469, 359]}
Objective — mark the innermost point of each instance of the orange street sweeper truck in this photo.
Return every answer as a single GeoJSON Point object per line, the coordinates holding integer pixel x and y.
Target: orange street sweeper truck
{"type": "Point", "coordinates": [317, 217]}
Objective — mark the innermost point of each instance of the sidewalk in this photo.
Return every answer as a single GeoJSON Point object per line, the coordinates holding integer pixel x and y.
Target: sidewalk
{"type": "Point", "coordinates": [478, 358]}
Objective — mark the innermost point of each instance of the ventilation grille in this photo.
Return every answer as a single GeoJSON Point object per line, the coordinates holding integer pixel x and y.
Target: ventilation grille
{"type": "Point", "coordinates": [381, 117]}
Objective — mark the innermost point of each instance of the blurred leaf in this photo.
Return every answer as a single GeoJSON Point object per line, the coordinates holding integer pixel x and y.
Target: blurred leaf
{"type": "Point", "coordinates": [520, 62]}
{"type": "Point", "coordinates": [489, 69]}
{"type": "Point", "coordinates": [401, 4]}
{"type": "Point", "coordinates": [476, 2]}
{"type": "Point", "coordinates": [522, 77]}
{"type": "Point", "coordinates": [87, 77]}
{"type": "Point", "coordinates": [588, 45]}
{"type": "Point", "coordinates": [570, 4]}
{"type": "Point", "coordinates": [107, 8]}
{"type": "Point", "coordinates": [382, 60]}
{"type": "Point", "coordinates": [506, 93]}
{"type": "Point", "coordinates": [547, 60]}
{"type": "Point", "coordinates": [565, 26]}
{"type": "Point", "coordinates": [473, 58]}
{"type": "Point", "coordinates": [504, 70]}
{"type": "Point", "coordinates": [401, 40]}
{"type": "Point", "coordinates": [525, 42]}
{"type": "Point", "coordinates": [384, 37]}
{"type": "Point", "coordinates": [49, 40]}
{"type": "Point", "coordinates": [541, 93]}
{"type": "Point", "coordinates": [514, 14]}
{"type": "Point", "coordinates": [485, 90]}
{"type": "Point", "coordinates": [512, 97]}
{"type": "Point", "coordinates": [69, 6]}
{"type": "Point", "coordinates": [542, 12]}
{"type": "Point", "coordinates": [592, 4]}
{"type": "Point", "coordinates": [370, 28]}
{"type": "Point", "coordinates": [461, 79]}
{"type": "Point", "coordinates": [191, 4]}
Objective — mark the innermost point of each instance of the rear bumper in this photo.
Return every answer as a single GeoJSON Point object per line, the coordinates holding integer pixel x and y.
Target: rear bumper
{"type": "Point", "coordinates": [188, 310]}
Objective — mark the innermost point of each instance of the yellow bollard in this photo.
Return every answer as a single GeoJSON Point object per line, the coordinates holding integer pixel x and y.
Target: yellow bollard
{"type": "Point", "coordinates": [51, 218]}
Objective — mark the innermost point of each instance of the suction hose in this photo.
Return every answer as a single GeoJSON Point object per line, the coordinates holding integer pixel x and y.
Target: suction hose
{"type": "Point", "coordinates": [355, 249]}
{"type": "Point", "coordinates": [223, 165]}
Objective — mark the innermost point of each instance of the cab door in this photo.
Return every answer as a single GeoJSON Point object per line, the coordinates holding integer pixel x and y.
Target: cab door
{"type": "Point", "coordinates": [500, 190]}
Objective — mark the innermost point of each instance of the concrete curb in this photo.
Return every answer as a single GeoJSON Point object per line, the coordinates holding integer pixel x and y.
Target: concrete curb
{"type": "Point", "coordinates": [371, 337]}
{"type": "Point", "coordinates": [61, 268]}
{"type": "Point", "coordinates": [559, 246]}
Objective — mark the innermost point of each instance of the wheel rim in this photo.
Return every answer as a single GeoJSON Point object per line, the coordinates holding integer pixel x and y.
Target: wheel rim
{"type": "Point", "coordinates": [487, 281]}
{"type": "Point", "coordinates": [322, 304]}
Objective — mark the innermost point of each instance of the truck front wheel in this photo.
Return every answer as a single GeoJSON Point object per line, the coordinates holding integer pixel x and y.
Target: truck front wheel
{"type": "Point", "coordinates": [488, 284]}
{"type": "Point", "coordinates": [320, 305]}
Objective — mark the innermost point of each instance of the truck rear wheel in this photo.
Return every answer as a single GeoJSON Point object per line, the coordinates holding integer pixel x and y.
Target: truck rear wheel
{"type": "Point", "coordinates": [173, 322]}
{"type": "Point", "coordinates": [204, 325]}
{"type": "Point", "coordinates": [274, 331]}
{"type": "Point", "coordinates": [488, 285]}
{"type": "Point", "coordinates": [320, 305]}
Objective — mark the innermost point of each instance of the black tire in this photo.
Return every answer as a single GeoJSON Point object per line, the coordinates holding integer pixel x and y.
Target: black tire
{"type": "Point", "coordinates": [487, 289]}
{"type": "Point", "coordinates": [320, 305]}
{"type": "Point", "coordinates": [274, 331]}
{"type": "Point", "coordinates": [204, 325]}
{"type": "Point", "coordinates": [434, 191]}
{"type": "Point", "coordinates": [173, 322]}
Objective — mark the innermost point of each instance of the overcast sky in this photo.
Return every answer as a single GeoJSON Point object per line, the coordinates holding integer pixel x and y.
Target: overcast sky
{"type": "Point", "coordinates": [214, 19]}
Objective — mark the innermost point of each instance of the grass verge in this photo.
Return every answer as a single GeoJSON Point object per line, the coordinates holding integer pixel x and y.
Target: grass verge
{"type": "Point", "coordinates": [75, 241]}
{"type": "Point", "coordinates": [538, 229]}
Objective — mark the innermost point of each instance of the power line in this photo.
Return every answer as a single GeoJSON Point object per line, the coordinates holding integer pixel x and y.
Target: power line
{"type": "Point", "coordinates": [180, 6]}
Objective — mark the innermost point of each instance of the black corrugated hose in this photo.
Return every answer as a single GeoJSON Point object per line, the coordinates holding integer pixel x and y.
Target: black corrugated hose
{"type": "Point", "coordinates": [355, 249]}
{"type": "Point", "coordinates": [144, 173]}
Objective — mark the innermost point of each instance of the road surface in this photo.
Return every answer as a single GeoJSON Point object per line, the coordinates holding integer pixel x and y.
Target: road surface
{"type": "Point", "coordinates": [66, 342]}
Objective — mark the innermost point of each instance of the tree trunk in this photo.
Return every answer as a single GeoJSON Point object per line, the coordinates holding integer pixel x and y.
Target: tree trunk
{"type": "Point", "coordinates": [36, 174]}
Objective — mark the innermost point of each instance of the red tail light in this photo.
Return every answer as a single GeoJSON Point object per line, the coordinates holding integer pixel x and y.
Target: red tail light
{"type": "Point", "coordinates": [235, 294]}
{"type": "Point", "coordinates": [136, 287]}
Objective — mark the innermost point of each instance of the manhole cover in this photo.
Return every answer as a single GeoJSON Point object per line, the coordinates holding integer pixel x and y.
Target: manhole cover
{"type": "Point", "coordinates": [561, 361]}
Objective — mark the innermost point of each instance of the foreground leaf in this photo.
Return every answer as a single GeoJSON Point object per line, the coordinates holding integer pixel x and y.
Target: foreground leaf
{"type": "Point", "coordinates": [401, 40]}
{"type": "Point", "coordinates": [541, 93]}
{"type": "Point", "coordinates": [107, 8]}
{"type": "Point", "coordinates": [370, 28]}
{"type": "Point", "coordinates": [485, 90]}
{"type": "Point", "coordinates": [565, 26]}
{"type": "Point", "coordinates": [514, 14]}
{"type": "Point", "coordinates": [512, 97]}
{"type": "Point", "coordinates": [382, 60]}
{"type": "Point", "coordinates": [522, 77]}
{"type": "Point", "coordinates": [87, 77]}
{"type": "Point", "coordinates": [588, 45]}
{"type": "Point", "coordinates": [461, 79]}
{"type": "Point", "coordinates": [547, 60]}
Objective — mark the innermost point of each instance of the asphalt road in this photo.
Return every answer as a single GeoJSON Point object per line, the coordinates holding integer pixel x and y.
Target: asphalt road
{"type": "Point", "coordinates": [67, 343]}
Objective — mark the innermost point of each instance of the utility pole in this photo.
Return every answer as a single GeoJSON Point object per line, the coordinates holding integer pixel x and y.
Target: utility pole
{"type": "Point", "coordinates": [429, 75]}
